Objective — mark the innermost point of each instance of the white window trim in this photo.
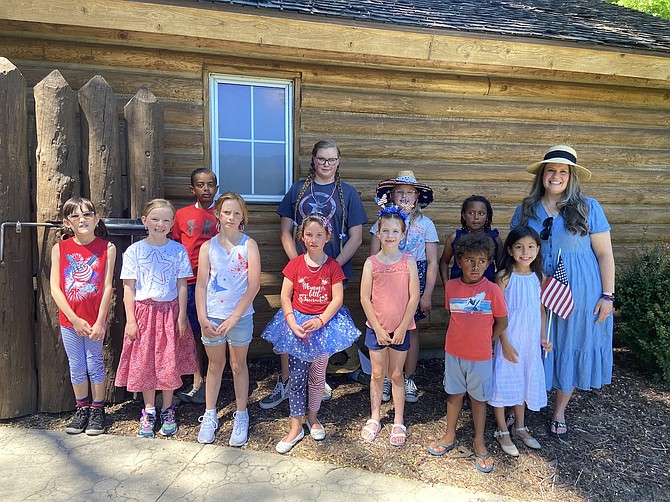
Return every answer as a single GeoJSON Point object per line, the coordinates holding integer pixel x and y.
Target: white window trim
{"type": "Point", "coordinates": [287, 85]}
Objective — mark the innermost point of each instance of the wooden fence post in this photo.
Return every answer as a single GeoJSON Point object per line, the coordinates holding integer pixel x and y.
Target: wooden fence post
{"type": "Point", "coordinates": [18, 392]}
{"type": "Point", "coordinates": [102, 180]}
{"type": "Point", "coordinates": [58, 163]}
{"type": "Point", "coordinates": [144, 119]}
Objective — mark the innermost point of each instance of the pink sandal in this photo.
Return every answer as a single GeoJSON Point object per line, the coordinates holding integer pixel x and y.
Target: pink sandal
{"type": "Point", "coordinates": [368, 434]}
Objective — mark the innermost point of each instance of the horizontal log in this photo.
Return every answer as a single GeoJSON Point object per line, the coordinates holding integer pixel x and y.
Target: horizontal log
{"type": "Point", "coordinates": [405, 103]}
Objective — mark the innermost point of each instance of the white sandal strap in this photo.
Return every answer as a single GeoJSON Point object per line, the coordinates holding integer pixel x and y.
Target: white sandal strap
{"type": "Point", "coordinates": [500, 433]}
{"type": "Point", "coordinates": [517, 429]}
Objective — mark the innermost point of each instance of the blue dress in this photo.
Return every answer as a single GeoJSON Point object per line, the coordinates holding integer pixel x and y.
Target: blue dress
{"type": "Point", "coordinates": [582, 354]}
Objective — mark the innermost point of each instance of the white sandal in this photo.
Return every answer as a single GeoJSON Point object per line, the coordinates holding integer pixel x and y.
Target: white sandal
{"type": "Point", "coordinates": [530, 442]}
{"type": "Point", "coordinates": [509, 449]}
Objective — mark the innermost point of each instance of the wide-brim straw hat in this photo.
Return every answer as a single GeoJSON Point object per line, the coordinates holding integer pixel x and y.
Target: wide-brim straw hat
{"type": "Point", "coordinates": [561, 154]}
{"type": "Point", "coordinates": [405, 178]}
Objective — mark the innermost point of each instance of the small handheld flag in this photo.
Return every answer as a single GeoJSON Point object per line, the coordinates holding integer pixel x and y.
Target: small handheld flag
{"type": "Point", "coordinates": [556, 295]}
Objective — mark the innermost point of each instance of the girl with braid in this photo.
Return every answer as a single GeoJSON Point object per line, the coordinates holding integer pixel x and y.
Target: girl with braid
{"type": "Point", "coordinates": [324, 193]}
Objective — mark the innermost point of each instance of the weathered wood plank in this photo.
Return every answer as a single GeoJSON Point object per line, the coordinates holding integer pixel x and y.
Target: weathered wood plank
{"type": "Point", "coordinates": [18, 392]}
{"type": "Point", "coordinates": [58, 176]}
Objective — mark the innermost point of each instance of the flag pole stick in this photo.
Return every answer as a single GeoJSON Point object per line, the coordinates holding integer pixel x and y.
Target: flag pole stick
{"type": "Point", "coordinates": [551, 312]}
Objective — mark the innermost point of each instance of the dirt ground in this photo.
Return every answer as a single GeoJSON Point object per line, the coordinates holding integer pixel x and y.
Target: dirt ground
{"type": "Point", "coordinates": [618, 449]}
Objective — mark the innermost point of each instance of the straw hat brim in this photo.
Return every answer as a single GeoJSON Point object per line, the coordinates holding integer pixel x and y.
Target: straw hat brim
{"type": "Point", "coordinates": [425, 192]}
{"type": "Point", "coordinates": [581, 172]}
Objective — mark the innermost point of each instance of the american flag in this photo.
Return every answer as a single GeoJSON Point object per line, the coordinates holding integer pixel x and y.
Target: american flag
{"type": "Point", "coordinates": [556, 295]}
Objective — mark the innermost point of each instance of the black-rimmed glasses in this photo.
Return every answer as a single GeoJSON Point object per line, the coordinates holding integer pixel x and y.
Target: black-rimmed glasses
{"type": "Point", "coordinates": [546, 230]}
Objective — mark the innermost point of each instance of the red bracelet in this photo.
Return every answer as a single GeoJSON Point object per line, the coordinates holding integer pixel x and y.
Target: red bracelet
{"type": "Point", "coordinates": [319, 318]}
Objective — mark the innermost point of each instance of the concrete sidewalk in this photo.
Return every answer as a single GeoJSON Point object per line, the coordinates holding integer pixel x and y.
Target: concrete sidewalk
{"type": "Point", "coordinates": [50, 465]}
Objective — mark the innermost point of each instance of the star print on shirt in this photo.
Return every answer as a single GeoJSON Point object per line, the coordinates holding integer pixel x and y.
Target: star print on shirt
{"type": "Point", "coordinates": [155, 267]}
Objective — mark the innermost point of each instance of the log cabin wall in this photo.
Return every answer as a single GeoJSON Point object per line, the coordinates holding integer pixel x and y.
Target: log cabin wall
{"type": "Point", "coordinates": [461, 128]}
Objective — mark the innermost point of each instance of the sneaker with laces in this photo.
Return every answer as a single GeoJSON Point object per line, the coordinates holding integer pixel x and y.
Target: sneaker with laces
{"type": "Point", "coordinates": [147, 425]}
{"type": "Point", "coordinates": [78, 424]}
{"type": "Point", "coordinates": [278, 394]}
{"type": "Point", "coordinates": [209, 423]}
{"type": "Point", "coordinates": [168, 422]}
{"type": "Point", "coordinates": [327, 392]}
{"type": "Point", "coordinates": [96, 422]}
{"type": "Point", "coordinates": [411, 392]}
{"type": "Point", "coordinates": [240, 432]}
{"type": "Point", "coordinates": [193, 394]}
{"type": "Point", "coordinates": [386, 392]}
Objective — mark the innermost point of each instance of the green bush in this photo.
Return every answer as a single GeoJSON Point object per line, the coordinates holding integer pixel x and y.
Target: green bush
{"type": "Point", "coordinates": [643, 303]}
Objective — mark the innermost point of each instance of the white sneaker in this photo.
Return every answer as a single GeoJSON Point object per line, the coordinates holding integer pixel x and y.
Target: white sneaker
{"type": "Point", "coordinates": [327, 392]}
{"type": "Point", "coordinates": [240, 432]}
{"type": "Point", "coordinates": [208, 428]}
{"type": "Point", "coordinates": [386, 392]}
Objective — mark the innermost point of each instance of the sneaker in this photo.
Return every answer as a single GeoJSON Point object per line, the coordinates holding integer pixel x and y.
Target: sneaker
{"type": "Point", "coordinates": [168, 422]}
{"type": "Point", "coordinates": [208, 428]}
{"type": "Point", "coordinates": [147, 424]}
{"type": "Point", "coordinates": [327, 392]}
{"type": "Point", "coordinates": [411, 392]}
{"type": "Point", "coordinates": [278, 394]}
{"type": "Point", "coordinates": [386, 392]}
{"type": "Point", "coordinates": [79, 422]}
{"type": "Point", "coordinates": [193, 394]}
{"type": "Point", "coordinates": [240, 432]}
{"type": "Point", "coordinates": [96, 422]}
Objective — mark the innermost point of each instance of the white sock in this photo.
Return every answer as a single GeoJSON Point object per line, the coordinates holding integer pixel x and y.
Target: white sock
{"type": "Point", "coordinates": [151, 410]}
{"type": "Point", "coordinates": [210, 412]}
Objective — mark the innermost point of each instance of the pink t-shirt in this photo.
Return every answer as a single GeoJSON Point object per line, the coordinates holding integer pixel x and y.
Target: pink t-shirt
{"type": "Point", "coordinates": [312, 290]}
{"type": "Point", "coordinates": [390, 292]}
{"type": "Point", "coordinates": [473, 308]}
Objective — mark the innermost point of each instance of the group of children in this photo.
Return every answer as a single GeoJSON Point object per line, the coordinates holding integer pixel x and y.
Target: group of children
{"type": "Point", "coordinates": [207, 285]}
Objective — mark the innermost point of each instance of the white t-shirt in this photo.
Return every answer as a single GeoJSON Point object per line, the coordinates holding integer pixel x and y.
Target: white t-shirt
{"type": "Point", "coordinates": [156, 269]}
{"type": "Point", "coordinates": [421, 231]}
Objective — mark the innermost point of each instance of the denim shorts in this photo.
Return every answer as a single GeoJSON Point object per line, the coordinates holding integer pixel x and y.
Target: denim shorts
{"type": "Point", "coordinates": [371, 341]}
{"type": "Point", "coordinates": [239, 335]}
{"type": "Point", "coordinates": [473, 377]}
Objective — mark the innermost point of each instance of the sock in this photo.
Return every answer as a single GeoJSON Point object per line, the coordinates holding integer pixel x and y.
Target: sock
{"type": "Point", "coordinates": [82, 401]}
{"type": "Point", "coordinates": [150, 410]}
{"type": "Point", "coordinates": [210, 412]}
{"type": "Point", "coordinates": [98, 404]}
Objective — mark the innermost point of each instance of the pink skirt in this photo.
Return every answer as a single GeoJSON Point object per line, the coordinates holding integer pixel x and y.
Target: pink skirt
{"type": "Point", "coordinates": [158, 357]}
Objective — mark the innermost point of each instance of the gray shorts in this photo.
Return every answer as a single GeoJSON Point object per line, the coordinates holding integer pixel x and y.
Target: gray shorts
{"type": "Point", "coordinates": [239, 335]}
{"type": "Point", "coordinates": [473, 377]}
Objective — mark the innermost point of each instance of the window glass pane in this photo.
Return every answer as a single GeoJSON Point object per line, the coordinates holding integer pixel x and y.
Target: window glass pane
{"type": "Point", "coordinates": [269, 113]}
{"type": "Point", "coordinates": [235, 167]}
{"type": "Point", "coordinates": [269, 168]}
{"type": "Point", "coordinates": [234, 111]}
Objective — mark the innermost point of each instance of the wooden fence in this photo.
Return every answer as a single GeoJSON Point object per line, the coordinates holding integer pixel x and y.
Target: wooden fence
{"type": "Point", "coordinates": [80, 145]}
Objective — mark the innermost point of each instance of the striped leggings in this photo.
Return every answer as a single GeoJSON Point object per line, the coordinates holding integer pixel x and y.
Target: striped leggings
{"type": "Point", "coordinates": [84, 357]}
{"type": "Point", "coordinates": [299, 372]}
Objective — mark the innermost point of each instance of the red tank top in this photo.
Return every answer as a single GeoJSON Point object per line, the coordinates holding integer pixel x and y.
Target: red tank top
{"type": "Point", "coordinates": [82, 277]}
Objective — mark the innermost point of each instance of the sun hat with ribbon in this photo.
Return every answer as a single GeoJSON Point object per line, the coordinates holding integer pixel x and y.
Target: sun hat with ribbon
{"type": "Point", "coordinates": [385, 187]}
{"type": "Point", "coordinates": [561, 154]}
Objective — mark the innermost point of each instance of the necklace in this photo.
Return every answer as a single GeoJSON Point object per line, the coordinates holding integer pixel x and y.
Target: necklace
{"type": "Point", "coordinates": [311, 269]}
{"type": "Point", "coordinates": [550, 213]}
{"type": "Point", "coordinates": [318, 205]}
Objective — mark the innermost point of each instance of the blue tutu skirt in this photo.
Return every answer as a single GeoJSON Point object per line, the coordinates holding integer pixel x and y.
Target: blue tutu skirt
{"type": "Point", "coordinates": [336, 335]}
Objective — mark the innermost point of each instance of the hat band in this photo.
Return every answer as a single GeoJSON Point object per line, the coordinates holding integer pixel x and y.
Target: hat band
{"type": "Point", "coordinates": [560, 154]}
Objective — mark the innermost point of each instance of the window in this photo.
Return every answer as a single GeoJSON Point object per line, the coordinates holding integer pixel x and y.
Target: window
{"type": "Point", "coordinates": [251, 129]}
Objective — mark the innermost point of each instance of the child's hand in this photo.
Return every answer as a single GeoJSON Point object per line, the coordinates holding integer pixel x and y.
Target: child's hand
{"type": "Point", "coordinates": [383, 337]}
{"type": "Point", "coordinates": [312, 324]}
{"type": "Point", "coordinates": [98, 332]}
{"type": "Point", "coordinates": [81, 327]}
{"type": "Point", "coordinates": [398, 336]}
{"type": "Point", "coordinates": [425, 304]}
{"type": "Point", "coordinates": [297, 329]}
{"type": "Point", "coordinates": [510, 353]}
{"type": "Point", "coordinates": [208, 329]}
{"type": "Point", "coordinates": [131, 330]}
{"type": "Point", "coordinates": [182, 324]}
{"type": "Point", "coordinates": [226, 326]}
{"type": "Point", "coordinates": [547, 345]}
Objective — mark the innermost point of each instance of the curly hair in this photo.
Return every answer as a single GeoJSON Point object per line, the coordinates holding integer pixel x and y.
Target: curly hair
{"type": "Point", "coordinates": [473, 244]}
{"type": "Point", "coordinates": [489, 211]}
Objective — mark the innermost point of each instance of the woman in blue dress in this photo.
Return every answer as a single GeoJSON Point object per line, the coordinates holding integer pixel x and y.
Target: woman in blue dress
{"type": "Point", "coordinates": [575, 226]}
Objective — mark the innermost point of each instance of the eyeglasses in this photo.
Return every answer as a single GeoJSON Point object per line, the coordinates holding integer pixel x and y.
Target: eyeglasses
{"type": "Point", "coordinates": [546, 231]}
{"type": "Point", "coordinates": [326, 162]}
{"type": "Point", "coordinates": [405, 194]}
{"type": "Point", "coordinates": [87, 215]}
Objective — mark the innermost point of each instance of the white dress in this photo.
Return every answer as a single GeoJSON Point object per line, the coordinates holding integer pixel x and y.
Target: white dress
{"type": "Point", "coordinates": [524, 381]}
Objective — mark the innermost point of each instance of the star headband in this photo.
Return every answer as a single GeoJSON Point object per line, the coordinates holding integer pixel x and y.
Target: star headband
{"type": "Point", "coordinates": [323, 220]}
{"type": "Point", "coordinates": [393, 210]}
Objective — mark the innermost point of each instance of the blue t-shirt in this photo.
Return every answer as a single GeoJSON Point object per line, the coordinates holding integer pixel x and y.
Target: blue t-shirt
{"type": "Point", "coordinates": [324, 199]}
